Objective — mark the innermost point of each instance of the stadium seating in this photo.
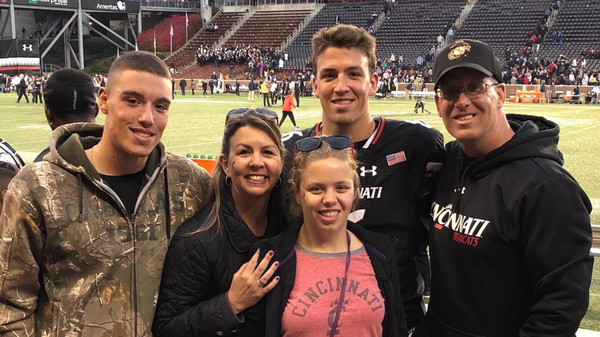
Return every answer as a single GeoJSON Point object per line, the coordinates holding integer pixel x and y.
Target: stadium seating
{"type": "Point", "coordinates": [578, 22]}
{"type": "Point", "coordinates": [267, 28]}
{"type": "Point", "coordinates": [411, 28]}
{"type": "Point", "coordinates": [359, 14]}
{"type": "Point", "coordinates": [503, 23]}
{"type": "Point", "coordinates": [187, 54]}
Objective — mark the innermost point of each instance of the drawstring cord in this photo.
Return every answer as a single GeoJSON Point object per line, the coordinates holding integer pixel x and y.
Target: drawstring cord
{"type": "Point", "coordinates": [167, 205]}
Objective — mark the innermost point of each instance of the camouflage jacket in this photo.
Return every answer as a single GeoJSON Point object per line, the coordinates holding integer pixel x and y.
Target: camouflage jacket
{"type": "Point", "coordinates": [73, 262]}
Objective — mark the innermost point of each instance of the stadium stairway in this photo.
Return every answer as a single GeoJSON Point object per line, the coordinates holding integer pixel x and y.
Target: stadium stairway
{"type": "Point", "coordinates": [24, 19]}
{"type": "Point", "coordinates": [268, 28]}
{"type": "Point", "coordinates": [502, 24]}
{"type": "Point", "coordinates": [359, 14]}
{"type": "Point", "coordinates": [413, 26]}
{"type": "Point", "coordinates": [264, 28]}
{"type": "Point", "coordinates": [578, 22]}
{"type": "Point", "coordinates": [186, 55]}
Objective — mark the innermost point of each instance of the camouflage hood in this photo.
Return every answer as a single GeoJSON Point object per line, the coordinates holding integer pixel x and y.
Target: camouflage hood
{"type": "Point", "coordinates": [68, 143]}
{"type": "Point", "coordinates": [72, 261]}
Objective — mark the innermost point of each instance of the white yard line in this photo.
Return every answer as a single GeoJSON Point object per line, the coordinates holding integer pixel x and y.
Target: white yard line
{"type": "Point", "coordinates": [579, 130]}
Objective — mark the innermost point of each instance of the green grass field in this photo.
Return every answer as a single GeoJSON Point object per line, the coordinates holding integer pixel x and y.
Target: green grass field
{"type": "Point", "coordinates": [196, 125]}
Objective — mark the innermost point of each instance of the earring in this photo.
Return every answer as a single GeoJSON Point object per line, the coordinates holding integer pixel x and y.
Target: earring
{"type": "Point", "coordinates": [227, 181]}
{"type": "Point", "coordinates": [278, 182]}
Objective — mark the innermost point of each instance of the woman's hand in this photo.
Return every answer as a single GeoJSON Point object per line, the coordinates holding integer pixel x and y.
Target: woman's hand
{"type": "Point", "coordinates": [251, 282]}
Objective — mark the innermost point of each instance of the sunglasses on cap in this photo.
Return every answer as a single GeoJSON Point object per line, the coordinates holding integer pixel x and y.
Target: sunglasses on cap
{"type": "Point", "coordinates": [312, 143]}
{"type": "Point", "coordinates": [240, 111]}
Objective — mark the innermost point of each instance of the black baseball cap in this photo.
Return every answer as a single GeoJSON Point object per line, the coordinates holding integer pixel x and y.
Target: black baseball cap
{"type": "Point", "coordinates": [468, 54]}
{"type": "Point", "coordinates": [70, 92]}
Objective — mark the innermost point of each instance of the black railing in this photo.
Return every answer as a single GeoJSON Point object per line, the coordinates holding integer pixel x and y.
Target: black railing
{"type": "Point", "coordinates": [171, 4]}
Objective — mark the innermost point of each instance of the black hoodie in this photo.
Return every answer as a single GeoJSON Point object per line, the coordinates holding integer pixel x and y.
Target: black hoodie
{"type": "Point", "coordinates": [510, 241]}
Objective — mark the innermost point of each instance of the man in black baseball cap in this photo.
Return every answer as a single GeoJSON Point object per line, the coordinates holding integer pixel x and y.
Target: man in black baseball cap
{"type": "Point", "coordinates": [510, 234]}
{"type": "Point", "coordinates": [69, 97]}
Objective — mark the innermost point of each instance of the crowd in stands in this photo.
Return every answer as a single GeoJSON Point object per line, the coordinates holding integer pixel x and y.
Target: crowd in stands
{"type": "Point", "coordinates": [260, 60]}
{"type": "Point", "coordinates": [212, 28]}
{"type": "Point", "coordinates": [590, 54]}
{"type": "Point", "coordinates": [523, 67]}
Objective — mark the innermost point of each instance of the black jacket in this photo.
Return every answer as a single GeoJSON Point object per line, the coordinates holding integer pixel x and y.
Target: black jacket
{"type": "Point", "coordinates": [510, 241]}
{"type": "Point", "coordinates": [381, 252]}
{"type": "Point", "coordinates": [198, 271]}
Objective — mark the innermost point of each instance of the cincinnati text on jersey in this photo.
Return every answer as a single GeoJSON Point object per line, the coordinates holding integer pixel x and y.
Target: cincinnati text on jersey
{"type": "Point", "coordinates": [371, 192]}
{"type": "Point", "coordinates": [467, 230]}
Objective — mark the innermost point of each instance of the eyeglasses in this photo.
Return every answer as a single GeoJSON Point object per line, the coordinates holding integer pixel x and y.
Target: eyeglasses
{"type": "Point", "coordinates": [452, 93]}
{"type": "Point", "coordinates": [240, 111]}
{"type": "Point", "coordinates": [312, 143]}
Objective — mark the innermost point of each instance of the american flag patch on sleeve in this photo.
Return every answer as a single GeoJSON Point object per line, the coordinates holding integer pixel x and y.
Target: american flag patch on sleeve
{"type": "Point", "coordinates": [395, 158]}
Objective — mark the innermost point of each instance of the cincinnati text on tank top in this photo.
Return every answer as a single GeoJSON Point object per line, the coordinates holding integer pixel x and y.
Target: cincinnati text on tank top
{"type": "Point", "coordinates": [311, 307]}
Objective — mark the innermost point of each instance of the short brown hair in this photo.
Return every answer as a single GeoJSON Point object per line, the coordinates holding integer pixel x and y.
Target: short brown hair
{"type": "Point", "coordinates": [141, 61]}
{"type": "Point", "coordinates": [344, 36]}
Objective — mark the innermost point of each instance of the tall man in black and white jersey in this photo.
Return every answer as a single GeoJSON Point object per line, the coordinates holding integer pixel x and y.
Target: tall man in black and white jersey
{"type": "Point", "coordinates": [399, 160]}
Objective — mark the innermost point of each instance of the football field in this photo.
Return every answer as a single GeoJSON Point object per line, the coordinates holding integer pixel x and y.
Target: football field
{"type": "Point", "coordinates": [196, 124]}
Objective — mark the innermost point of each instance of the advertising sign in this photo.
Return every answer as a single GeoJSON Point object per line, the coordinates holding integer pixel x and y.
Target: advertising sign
{"type": "Point", "coordinates": [19, 56]}
{"type": "Point", "coordinates": [116, 6]}
{"type": "Point", "coordinates": [49, 3]}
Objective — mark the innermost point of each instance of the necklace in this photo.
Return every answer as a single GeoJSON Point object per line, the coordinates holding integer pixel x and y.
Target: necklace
{"type": "Point", "coordinates": [343, 291]}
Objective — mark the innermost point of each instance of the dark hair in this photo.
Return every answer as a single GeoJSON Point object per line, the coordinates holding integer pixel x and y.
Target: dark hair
{"type": "Point", "coordinates": [344, 36]}
{"type": "Point", "coordinates": [6, 175]}
{"type": "Point", "coordinates": [140, 61]}
{"type": "Point", "coordinates": [70, 93]}
{"type": "Point", "coordinates": [218, 184]}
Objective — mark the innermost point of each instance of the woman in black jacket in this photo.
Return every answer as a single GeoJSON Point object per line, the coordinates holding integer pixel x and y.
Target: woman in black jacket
{"type": "Point", "coordinates": [337, 279]}
{"type": "Point", "coordinates": [209, 288]}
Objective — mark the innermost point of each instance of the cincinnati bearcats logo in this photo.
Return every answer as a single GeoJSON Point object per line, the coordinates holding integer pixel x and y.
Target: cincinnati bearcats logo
{"type": "Point", "coordinates": [28, 47]}
{"type": "Point", "coordinates": [372, 171]}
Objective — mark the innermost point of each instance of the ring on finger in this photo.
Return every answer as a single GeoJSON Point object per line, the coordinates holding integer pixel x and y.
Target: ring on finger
{"type": "Point", "coordinates": [260, 283]}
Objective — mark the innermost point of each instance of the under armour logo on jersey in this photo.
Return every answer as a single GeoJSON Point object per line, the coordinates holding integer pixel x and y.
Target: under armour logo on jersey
{"type": "Point", "coordinates": [364, 171]}
{"type": "Point", "coordinates": [28, 47]}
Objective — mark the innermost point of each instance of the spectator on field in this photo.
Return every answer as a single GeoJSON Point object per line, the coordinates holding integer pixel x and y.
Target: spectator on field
{"type": "Point", "coordinates": [22, 89]}
{"type": "Point", "coordinates": [3, 82]}
{"type": "Point", "coordinates": [420, 104]}
{"type": "Point", "coordinates": [182, 85]}
{"type": "Point", "coordinates": [251, 90]}
{"type": "Point", "coordinates": [288, 105]}
{"type": "Point", "coordinates": [264, 90]}
{"type": "Point", "coordinates": [204, 88]}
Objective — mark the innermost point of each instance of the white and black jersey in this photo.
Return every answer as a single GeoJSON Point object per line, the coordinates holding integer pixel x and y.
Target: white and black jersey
{"type": "Point", "coordinates": [398, 165]}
